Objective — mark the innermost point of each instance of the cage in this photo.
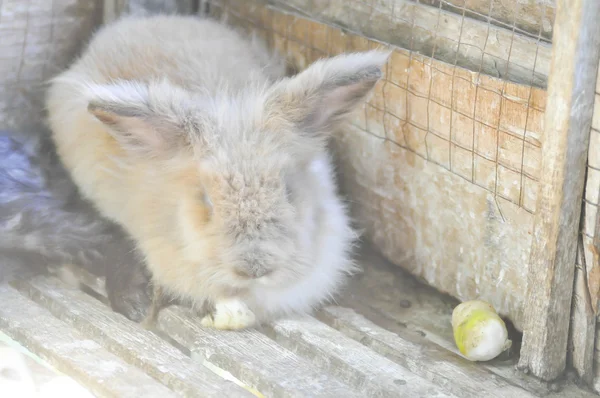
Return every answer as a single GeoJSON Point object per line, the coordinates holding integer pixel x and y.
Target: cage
{"type": "Point", "coordinates": [474, 166]}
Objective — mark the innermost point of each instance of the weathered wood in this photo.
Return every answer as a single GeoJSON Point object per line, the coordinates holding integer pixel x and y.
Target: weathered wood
{"type": "Point", "coordinates": [260, 362]}
{"type": "Point", "coordinates": [37, 40]}
{"type": "Point", "coordinates": [590, 231]}
{"type": "Point", "coordinates": [395, 301]}
{"type": "Point", "coordinates": [71, 352]}
{"type": "Point", "coordinates": [422, 357]}
{"type": "Point", "coordinates": [592, 254]}
{"type": "Point", "coordinates": [443, 35]}
{"type": "Point", "coordinates": [433, 144]}
{"type": "Point", "coordinates": [23, 374]}
{"type": "Point", "coordinates": [253, 358]}
{"type": "Point", "coordinates": [576, 52]}
{"type": "Point", "coordinates": [248, 355]}
{"type": "Point", "coordinates": [583, 322]}
{"type": "Point", "coordinates": [332, 352]}
{"type": "Point", "coordinates": [532, 16]}
{"type": "Point", "coordinates": [129, 341]}
{"type": "Point", "coordinates": [596, 383]}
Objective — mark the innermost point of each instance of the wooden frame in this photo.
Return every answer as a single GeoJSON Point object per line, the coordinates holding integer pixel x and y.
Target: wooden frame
{"type": "Point", "coordinates": [575, 57]}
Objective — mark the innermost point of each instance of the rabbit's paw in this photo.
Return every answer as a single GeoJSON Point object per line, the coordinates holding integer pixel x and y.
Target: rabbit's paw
{"type": "Point", "coordinates": [230, 314]}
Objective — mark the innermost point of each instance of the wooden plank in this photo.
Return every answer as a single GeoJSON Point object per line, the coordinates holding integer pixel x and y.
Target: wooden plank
{"type": "Point", "coordinates": [429, 31]}
{"type": "Point", "coordinates": [248, 355]}
{"type": "Point", "coordinates": [532, 16]}
{"type": "Point", "coordinates": [71, 353]}
{"type": "Point", "coordinates": [583, 322]}
{"type": "Point", "coordinates": [253, 358]}
{"type": "Point", "coordinates": [576, 52]}
{"type": "Point", "coordinates": [33, 374]}
{"type": "Point", "coordinates": [38, 40]}
{"type": "Point", "coordinates": [128, 340]}
{"type": "Point", "coordinates": [422, 357]}
{"type": "Point", "coordinates": [392, 299]}
{"type": "Point", "coordinates": [371, 374]}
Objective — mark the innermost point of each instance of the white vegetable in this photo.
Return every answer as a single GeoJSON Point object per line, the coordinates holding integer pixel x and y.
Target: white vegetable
{"type": "Point", "coordinates": [480, 334]}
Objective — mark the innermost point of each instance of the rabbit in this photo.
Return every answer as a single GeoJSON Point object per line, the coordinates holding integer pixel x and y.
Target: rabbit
{"type": "Point", "coordinates": [188, 134]}
{"type": "Point", "coordinates": [45, 225]}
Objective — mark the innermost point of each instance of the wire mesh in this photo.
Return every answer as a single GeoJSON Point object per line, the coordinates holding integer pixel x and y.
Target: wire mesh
{"type": "Point", "coordinates": [37, 39]}
{"type": "Point", "coordinates": [440, 98]}
{"type": "Point", "coordinates": [590, 228]}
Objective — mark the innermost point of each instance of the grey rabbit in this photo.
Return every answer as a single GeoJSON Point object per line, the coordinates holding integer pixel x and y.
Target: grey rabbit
{"type": "Point", "coordinates": [45, 223]}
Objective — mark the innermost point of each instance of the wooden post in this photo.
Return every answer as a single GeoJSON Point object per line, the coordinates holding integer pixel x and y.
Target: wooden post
{"type": "Point", "coordinates": [583, 322]}
{"type": "Point", "coordinates": [574, 65]}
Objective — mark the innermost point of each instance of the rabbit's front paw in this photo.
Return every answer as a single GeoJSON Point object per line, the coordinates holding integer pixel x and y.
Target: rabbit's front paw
{"type": "Point", "coordinates": [230, 314]}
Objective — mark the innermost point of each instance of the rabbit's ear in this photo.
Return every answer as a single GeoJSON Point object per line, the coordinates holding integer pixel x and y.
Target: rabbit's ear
{"type": "Point", "coordinates": [147, 119]}
{"type": "Point", "coordinates": [328, 90]}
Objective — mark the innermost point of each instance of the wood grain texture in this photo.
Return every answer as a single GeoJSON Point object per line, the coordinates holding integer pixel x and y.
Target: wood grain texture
{"type": "Point", "coordinates": [38, 39]}
{"type": "Point", "coordinates": [332, 352]}
{"type": "Point", "coordinates": [253, 358]}
{"type": "Point", "coordinates": [426, 359]}
{"type": "Point", "coordinates": [73, 353]}
{"type": "Point", "coordinates": [535, 17]}
{"type": "Point", "coordinates": [249, 355]}
{"type": "Point", "coordinates": [23, 374]}
{"type": "Point", "coordinates": [576, 53]}
{"type": "Point", "coordinates": [392, 299]}
{"type": "Point", "coordinates": [582, 332]}
{"type": "Point", "coordinates": [409, 331]}
{"type": "Point", "coordinates": [443, 35]}
{"type": "Point", "coordinates": [440, 166]}
{"type": "Point", "coordinates": [591, 226]}
{"type": "Point", "coordinates": [129, 341]}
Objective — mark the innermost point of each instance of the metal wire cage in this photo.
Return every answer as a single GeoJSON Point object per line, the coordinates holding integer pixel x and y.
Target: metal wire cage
{"type": "Point", "coordinates": [445, 165]}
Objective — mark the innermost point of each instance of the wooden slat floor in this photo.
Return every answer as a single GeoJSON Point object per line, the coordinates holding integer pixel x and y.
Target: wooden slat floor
{"type": "Point", "coordinates": [387, 336]}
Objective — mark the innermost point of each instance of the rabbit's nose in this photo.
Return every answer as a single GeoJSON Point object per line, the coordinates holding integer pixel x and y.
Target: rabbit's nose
{"type": "Point", "coordinates": [252, 271]}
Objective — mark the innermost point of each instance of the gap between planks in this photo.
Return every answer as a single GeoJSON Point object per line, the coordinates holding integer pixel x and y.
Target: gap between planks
{"type": "Point", "coordinates": [71, 352]}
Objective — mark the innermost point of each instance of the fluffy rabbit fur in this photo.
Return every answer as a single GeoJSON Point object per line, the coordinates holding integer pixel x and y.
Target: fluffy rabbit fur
{"type": "Point", "coordinates": [45, 224]}
{"type": "Point", "coordinates": [188, 135]}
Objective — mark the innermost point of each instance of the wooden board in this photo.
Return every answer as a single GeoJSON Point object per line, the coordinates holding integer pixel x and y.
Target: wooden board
{"type": "Point", "coordinates": [533, 17]}
{"type": "Point", "coordinates": [403, 349]}
{"type": "Point", "coordinates": [430, 361]}
{"type": "Point", "coordinates": [387, 297]}
{"type": "Point", "coordinates": [430, 31]}
{"type": "Point", "coordinates": [39, 39]}
{"type": "Point", "coordinates": [440, 167]}
{"type": "Point", "coordinates": [568, 121]}
{"type": "Point", "coordinates": [332, 352]}
{"type": "Point", "coordinates": [252, 356]}
{"type": "Point", "coordinates": [125, 339]}
{"type": "Point", "coordinates": [590, 230]}
{"type": "Point", "coordinates": [23, 374]}
{"type": "Point", "coordinates": [71, 352]}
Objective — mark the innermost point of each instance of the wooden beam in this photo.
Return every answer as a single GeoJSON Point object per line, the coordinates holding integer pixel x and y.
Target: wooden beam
{"type": "Point", "coordinates": [569, 109]}
{"type": "Point", "coordinates": [73, 353]}
{"type": "Point", "coordinates": [137, 347]}
{"type": "Point", "coordinates": [434, 32]}
{"type": "Point", "coordinates": [526, 15]}
{"type": "Point", "coordinates": [422, 356]}
{"type": "Point", "coordinates": [583, 321]}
